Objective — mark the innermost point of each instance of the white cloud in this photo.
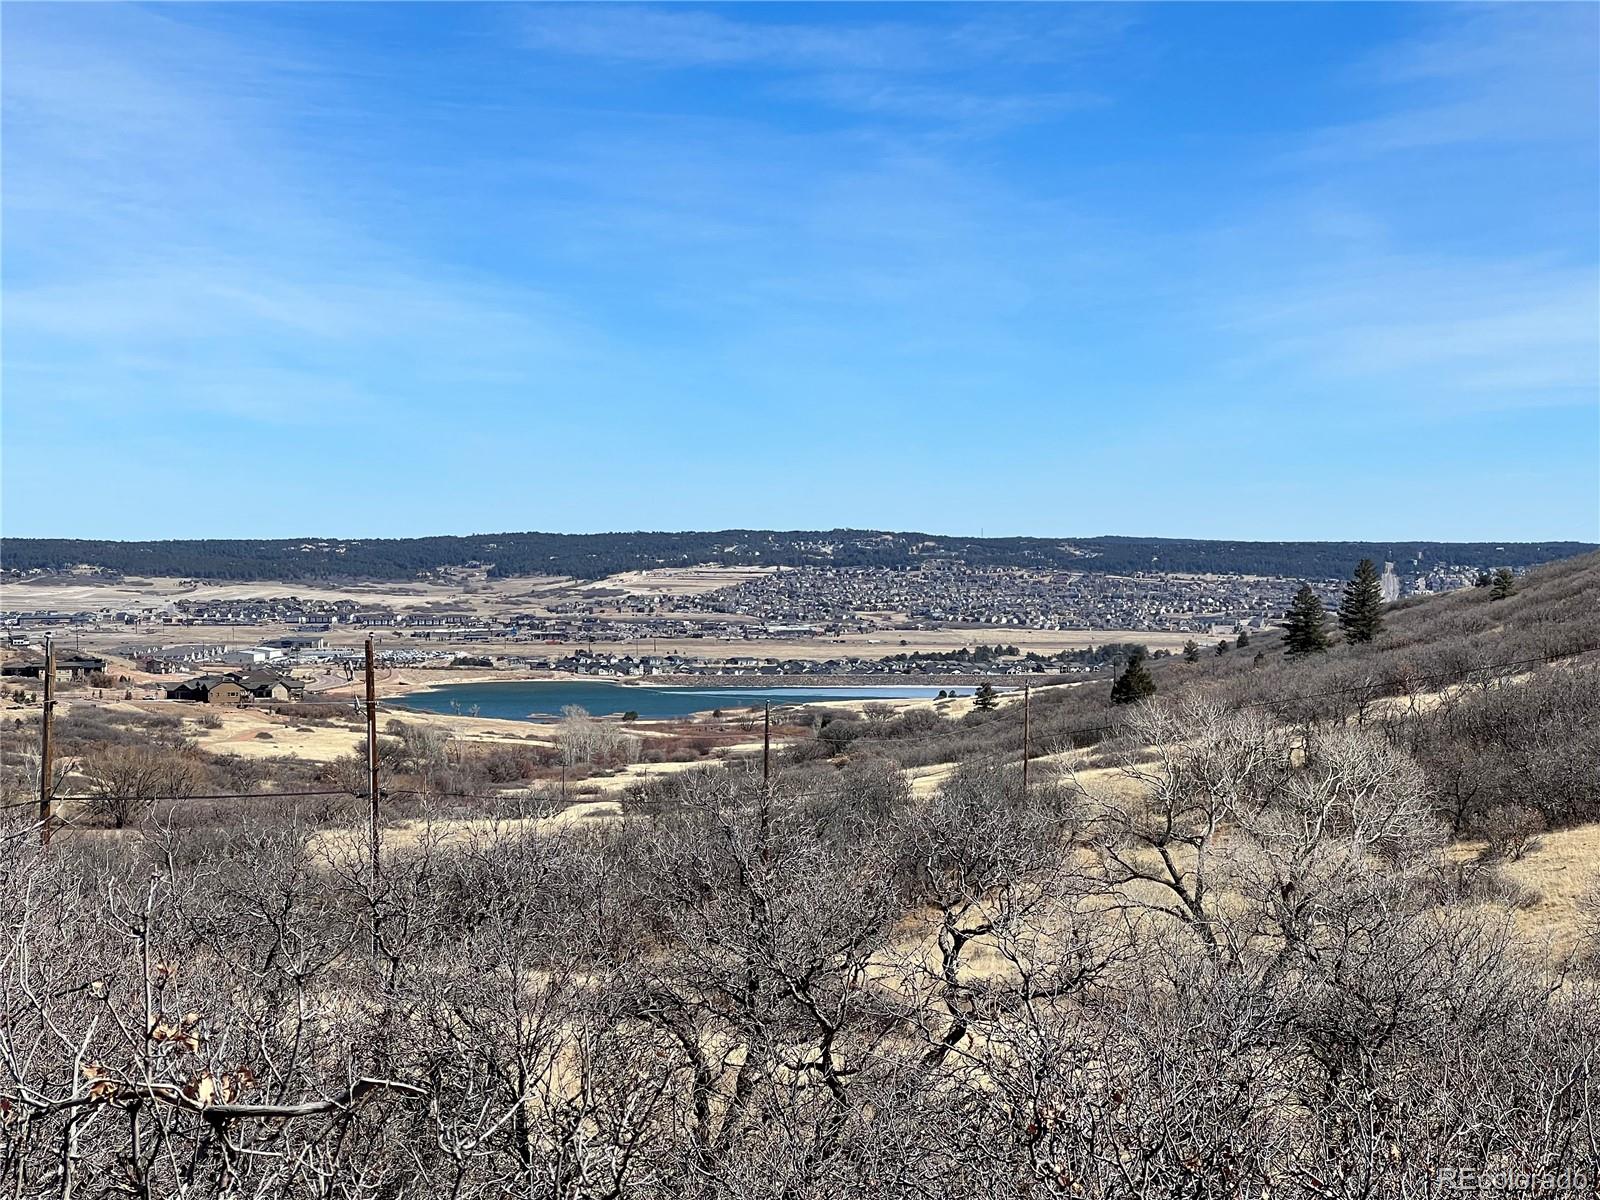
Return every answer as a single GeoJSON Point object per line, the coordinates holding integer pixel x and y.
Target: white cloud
{"type": "Point", "coordinates": [680, 37]}
{"type": "Point", "coordinates": [686, 38]}
{"type": "Point", "coordinates": [169, 242]}
{"type": "Point", "coordinates": [1431, 335]}
{"type": "Point", "coordinates": [1500, 74]}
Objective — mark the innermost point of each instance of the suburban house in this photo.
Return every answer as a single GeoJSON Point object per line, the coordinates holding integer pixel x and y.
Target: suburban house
{"type": "Point", "coordinates": [79, 666]}
{"type": "Point", "coordinates": [210, 689]}
{"type": "Point", "coordinates": [237, 688]}
{"type": "Point", "coordinates": [268, 685]}
{"type": "Point", "coordinates": [68, 666]}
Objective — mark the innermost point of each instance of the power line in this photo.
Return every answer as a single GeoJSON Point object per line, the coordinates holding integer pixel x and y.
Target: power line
{"type": "Point", "coordinates": [1454, 675]}
{"type": "Point", "coordinates": [206, 796]}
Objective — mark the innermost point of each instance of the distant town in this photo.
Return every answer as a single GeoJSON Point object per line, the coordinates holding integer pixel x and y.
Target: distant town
{"type": "Point", "coordinates": [941, 619]}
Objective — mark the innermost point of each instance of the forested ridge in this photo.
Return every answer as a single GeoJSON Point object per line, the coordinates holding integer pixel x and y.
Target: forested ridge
{"type": "Point", "coordinates": [594, 555]}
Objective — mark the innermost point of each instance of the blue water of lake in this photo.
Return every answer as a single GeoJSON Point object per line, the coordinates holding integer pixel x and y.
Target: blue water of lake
{"type": "Point", "coordinates": [541, 699]}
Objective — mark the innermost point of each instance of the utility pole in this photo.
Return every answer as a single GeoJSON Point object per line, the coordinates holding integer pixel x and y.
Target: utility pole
{"type": "Point", "coordinates": [766, 744]}
{"type": "Point", "coordinates": [1027, 730]}
{"type": "Point", "coordinates": [372, 760]}
{"type": "Point", "coordinates": [46, 766]}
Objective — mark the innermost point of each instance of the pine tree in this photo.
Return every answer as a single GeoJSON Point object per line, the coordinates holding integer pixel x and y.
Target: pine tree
{"type": "Point", "coordinates": [1243, 639]}
{"type": "Point", "coordinates": [1361, 609]}
{"type": "Point", "coordinates": [1302, 624]}
{"type": "Point", "coordinates": [1191, 651]}
{"type": "Point", "coordinates": [1503, 584]}
{"type": "Point", "coordinates": [1222, 646]}
{"type": "Point", "coordinates": [1134, 684]}
{"type": "Point", "coordinates": [984, 699]}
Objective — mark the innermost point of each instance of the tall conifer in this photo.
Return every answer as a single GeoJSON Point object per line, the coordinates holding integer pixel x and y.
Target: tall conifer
{"type": "Point", "coordinates": [1134, 684]}
{"type": "Point", "coordinates": [1303, 631]}
{"type": "Point", "coordinates": [1361, 609]}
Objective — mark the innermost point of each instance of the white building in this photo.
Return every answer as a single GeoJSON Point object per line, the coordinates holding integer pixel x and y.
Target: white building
{"type": "Point", "coordinates": [249, 657]}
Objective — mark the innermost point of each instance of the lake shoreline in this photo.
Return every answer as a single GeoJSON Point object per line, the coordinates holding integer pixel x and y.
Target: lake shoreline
{"type": "Point", "coordinates": [748, 682]}
{"type": "Point", "coordinates": [847, 681]}
{"type": "Point", "coordinates": [542, 699]}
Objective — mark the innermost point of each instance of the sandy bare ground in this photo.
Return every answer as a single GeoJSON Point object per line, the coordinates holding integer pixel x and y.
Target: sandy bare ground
{"type": "Point", "coordinates": [242, 728]}
{"type": "Point", "coordinates": [680, 581]}
{"type": "Point", "coordinates": [239, 730]}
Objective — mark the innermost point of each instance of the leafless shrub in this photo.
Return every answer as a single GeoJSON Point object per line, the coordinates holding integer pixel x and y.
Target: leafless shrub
{"type": "Point", "coordinates": [1511, 830]}
{"type": "Point", "coordinates": [584, 740]}
{"type": "Point", "coordinates": [123, 781]}
{"type": "Point", "coordinates": [1239, 966]}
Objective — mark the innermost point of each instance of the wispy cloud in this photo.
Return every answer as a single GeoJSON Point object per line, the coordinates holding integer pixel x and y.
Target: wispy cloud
{"type": "Point", "coordinates": [1500, 74]}
{"type": "Point", "coordinates": [1432, 336]}
{"type": "Point", "coordinates": [917, 70]}
{"type": "Point", "coordinates": [685, 38]}
{"type": "Point", "coordinates": [888, 97]}
{"type": "Point", "coordinates": [170, 247]}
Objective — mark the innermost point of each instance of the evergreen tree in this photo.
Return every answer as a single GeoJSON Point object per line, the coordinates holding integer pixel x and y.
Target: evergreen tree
{"type": "Point", "coordinates": [1134, 684]}
{"type": "Point", "coordinates": [1503, 584]}
{"type": "Point", "coordinates": [984, 699]}
{"type": "Point", "coordinates": [1243, 639]}
{"type": "Point", "coordinates": [1222, 646]}
{"type": "Point", "coordinates": [1361, 609]}
{"type": "Point", "coordinates": [1191, 651]}
{"type": "Point", "coordinates": [1303, 631]}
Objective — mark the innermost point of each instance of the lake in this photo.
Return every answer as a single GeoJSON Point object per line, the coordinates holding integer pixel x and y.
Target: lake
{"type": "Point", "coordinates": [533, 699]}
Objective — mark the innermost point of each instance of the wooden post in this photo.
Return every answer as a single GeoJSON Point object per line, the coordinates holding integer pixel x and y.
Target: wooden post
{"type": "Point", "coordinates": [372, 759]}
{"type": "Point", "coordinates": [766, 743]}
{"type": "Point", "coordinates": [1026, 735]}
{"type": "Point", "coordinates": [46, 764]}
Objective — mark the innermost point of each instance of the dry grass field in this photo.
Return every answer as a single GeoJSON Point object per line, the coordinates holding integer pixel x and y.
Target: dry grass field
{"type": "Point", "coordinates": [470, 590]}
{"type": "Point", "coordinates": [1562, 876]}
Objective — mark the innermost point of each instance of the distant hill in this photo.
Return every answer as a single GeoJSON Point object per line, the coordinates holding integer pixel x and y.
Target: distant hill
{"type": "Point", "coordinates": [593, 555]}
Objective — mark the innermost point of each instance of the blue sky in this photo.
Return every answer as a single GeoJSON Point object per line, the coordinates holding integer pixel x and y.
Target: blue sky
{"type": "Point", "coordinates": [1263, 271]}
